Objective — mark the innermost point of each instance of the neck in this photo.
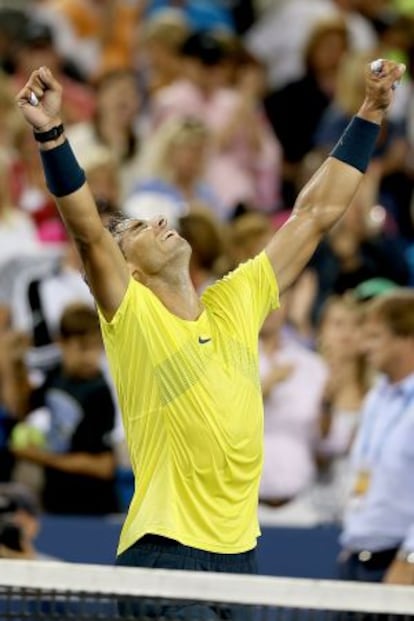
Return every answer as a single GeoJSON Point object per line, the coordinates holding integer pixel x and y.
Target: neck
{"type": "Point", "coordinates": [178, 295]}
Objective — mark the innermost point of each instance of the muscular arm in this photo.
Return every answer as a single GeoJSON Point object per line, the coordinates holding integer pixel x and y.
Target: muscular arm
{"type": "Point", "coordinates": [100, 465]}
{"type": "Point", "coordinates": [320, 204]}
{"type": "Point", "coordinates": [328, 193]}
{"type": "Point", "coordinates": [104, 264]}
{"type": "Point", "coordinates": [105, 267]}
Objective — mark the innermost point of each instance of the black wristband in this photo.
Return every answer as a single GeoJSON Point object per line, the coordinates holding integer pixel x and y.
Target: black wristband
{"type": "Point", "coordinates": [62, 171]}
{"type": "Point", "coordinates": [51, 134]}
{"type": "Point", "coordinates": [357, 144]}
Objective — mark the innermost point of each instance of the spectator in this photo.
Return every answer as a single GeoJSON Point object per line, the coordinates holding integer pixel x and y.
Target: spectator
{"type": "Point", "coordinates": [244, 164]}
{"type": "Point", "coordinates": [279, 36]}
{"type": "Point", "coordinates": [293, 380]}
{"type": "Point", "coordinates": [201, 14]}
{"type": "Point", "coordinates": [359, 248]}
{"type": "Point", "coordinates": [20, 511]}
{"type": "Point", "coordinates": [75, 411]}
{"type": "Point", "coordinates": [163, 35]}
{"type": "Point", "coordinates": [248, 235]}
{"type": "Point", "coordinates": [208, 261]}
{"type": "Point", "coordinates": [113, 126]}
{"type": "Point", "coordinates": [97, 37]}
{"type": "Point", "coordinates": [378, 527]}
{"type": "Point", "coordinates": [349, 378]}
{"type": "Point", "coordinates": [172, 173]}
{"type": "Point", "coordinates": [327, 43]}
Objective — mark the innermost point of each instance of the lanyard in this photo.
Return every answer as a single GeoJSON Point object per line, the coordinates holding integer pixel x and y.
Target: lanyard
{"type": "Point", "coordinates": [370, 446]}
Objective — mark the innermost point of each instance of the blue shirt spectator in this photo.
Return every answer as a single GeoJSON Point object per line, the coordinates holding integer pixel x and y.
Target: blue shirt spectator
{"type": "Point", "coordinates": [378, 529]}
{"type": "Point", "coordinates": [201, 14]}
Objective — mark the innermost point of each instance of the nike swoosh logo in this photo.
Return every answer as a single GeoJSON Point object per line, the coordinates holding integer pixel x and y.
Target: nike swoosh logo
{"type": "Point", "coordinates": [203, 341]}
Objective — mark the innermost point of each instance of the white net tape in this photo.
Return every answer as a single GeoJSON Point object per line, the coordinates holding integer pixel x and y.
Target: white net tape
{"type": "Point", "coordinates": [227, 588]}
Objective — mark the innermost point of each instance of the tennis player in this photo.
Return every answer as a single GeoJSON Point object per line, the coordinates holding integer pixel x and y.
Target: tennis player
{"type": "Point", "coordinates": [185, 367]}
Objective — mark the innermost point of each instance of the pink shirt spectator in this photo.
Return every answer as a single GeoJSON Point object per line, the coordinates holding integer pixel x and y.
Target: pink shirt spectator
{"type": "Point", "coordinates": [237, 173]}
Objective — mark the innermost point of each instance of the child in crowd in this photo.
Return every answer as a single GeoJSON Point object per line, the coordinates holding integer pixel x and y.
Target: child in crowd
{"type": "Point", "coordinates": [73, 413]}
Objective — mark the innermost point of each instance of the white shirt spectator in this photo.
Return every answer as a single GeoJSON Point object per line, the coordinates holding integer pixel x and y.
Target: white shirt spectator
{"type": "Point", "coordinates": [292, 411]}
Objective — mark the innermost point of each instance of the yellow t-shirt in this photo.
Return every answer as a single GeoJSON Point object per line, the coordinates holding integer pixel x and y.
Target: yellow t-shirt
{"type": "Point", "coordinates": [192, 409]}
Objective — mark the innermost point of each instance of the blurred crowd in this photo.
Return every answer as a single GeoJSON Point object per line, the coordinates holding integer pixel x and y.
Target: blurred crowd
{"type": "Point", "coordinates": [213, 114]}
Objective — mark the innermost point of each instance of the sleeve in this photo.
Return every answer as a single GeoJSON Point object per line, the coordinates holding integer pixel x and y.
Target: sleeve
{"type": "Point", "coordinates": [408, 543]}
{"type": "Point", "coordinates": [245, 297]}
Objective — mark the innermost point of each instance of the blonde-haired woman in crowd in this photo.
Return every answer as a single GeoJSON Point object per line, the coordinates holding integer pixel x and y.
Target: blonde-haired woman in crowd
{"type": "Point", "coordinates": [349, 379]}
{"type": "Point", "coordinates": [171, 172]}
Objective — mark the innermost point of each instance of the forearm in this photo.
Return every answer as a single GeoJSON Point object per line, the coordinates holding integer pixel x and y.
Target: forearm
{"type": "Point", "coordinates": [327, 195]}
{"type": "Point", "coordinates": [101, 465]}
{"type": "Point", "coordinates": [16, 388]}
{"type": "Point", "coordinates": [65, 180]}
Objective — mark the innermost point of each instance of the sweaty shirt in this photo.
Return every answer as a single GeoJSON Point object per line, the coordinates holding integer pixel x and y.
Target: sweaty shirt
{"type": "Point", "coordinates": [190, 397]}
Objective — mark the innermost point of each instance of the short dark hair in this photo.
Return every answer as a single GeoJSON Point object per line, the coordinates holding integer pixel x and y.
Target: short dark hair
{"type": "Point", "coordinates": [78, 319]}
{"type": "Point", "coordinates": [395, 309]}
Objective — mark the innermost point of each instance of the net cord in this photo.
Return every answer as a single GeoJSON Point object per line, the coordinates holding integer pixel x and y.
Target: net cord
{"type": "Point", "coordinates": [204, 586]}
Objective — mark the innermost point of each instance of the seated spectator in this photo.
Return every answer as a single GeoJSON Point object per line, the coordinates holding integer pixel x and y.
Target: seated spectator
{"type": "Point", "coordinates": [293, 381]}
{"type": "Point", "coordinates": [201, 14]}
{"type": "Point", "coordinates": [172, 173]}
{"type": "Point", "coordinates": [328, 41]}
{"type": "Point", "coordinates": [279, 36]}
{"type": "Point", "coordinates": [162, 37]}
{"type": "Point", "coordinates": [96, 37]}
{"type": "Point", "coordinates": [114, 125]}
{"type": "Point", "coordinates": [244, 164]}
{"type": "Point", "coordinates": [208, 261]}
{"type": "Point", "coordinates": [74, 415]}
{"type": "Point", "coordinates": [248, 234]}
{"type": "Point", "coordinates": [360, 247]}
{"type": "Point", "coordinates": [19, 524]}
{"type": "Point", "coordinates": [349, 379]}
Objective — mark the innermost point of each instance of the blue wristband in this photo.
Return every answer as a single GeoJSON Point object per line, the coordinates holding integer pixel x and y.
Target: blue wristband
{"type": "Point", "coordinates": [356, 145]}
{"type": "Point", "coordinates": [62, 171]}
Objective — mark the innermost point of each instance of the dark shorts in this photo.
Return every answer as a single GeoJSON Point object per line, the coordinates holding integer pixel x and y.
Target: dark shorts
{"type": "Point", "coordinates": [157, 552]}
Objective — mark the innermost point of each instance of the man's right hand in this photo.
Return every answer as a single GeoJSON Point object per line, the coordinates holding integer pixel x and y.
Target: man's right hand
{"type": "Point", "coordinates": [48, 91]}
{"type": "Point", "coordinates": [379, 89]}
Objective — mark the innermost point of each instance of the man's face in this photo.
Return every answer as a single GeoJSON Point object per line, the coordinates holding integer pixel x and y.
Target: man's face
{"type": "Point", "coordinates": [150, 245]}
{"type": "Point", "coordinates": [382, 348]}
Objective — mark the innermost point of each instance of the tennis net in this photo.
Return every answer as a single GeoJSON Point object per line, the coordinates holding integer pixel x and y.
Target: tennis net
{"type": "Point", "coordinates": [35, 591]}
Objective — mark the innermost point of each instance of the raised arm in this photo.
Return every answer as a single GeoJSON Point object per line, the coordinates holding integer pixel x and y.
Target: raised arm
{"type": "Point", "coordinates": [105, 266]}
{"type": "Point", "coordinates": [326, 196]}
